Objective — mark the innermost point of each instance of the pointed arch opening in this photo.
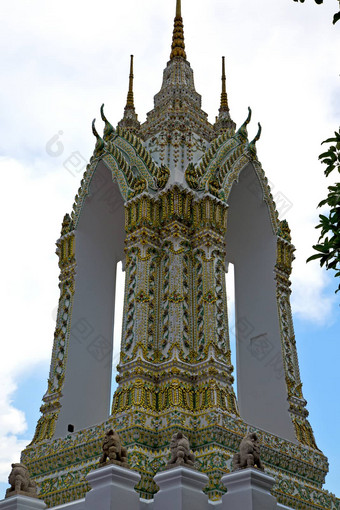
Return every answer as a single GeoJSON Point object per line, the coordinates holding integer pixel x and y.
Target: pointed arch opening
{"type": "Point", "coordinates": [118, 323]}
{"type": "Point", "coordinates": [230, 288]}
{"type": "Point", "coordinates": [99, 246]}
{"type": "Point", "coordinates": [251, 247]}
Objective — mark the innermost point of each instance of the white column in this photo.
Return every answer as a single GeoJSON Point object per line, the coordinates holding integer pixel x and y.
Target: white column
{"type": "Point", "coordinates": [19, 502]}
{"type": "Point", "coordinates": [248, 489]}
{"type": "Point", "coordinates": [112, 488]}
{"type": "Point", "coordinates": [180, 488]}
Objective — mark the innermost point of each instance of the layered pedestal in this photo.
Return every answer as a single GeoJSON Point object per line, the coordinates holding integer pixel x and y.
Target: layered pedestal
{"type": "Point", "coordinates": [60, 466]}
{"type": "Point", "coordinates": [19, 502]}
{"type": "Point", "coordinates": [181, 489]}
{"type": "Point", "coordinates": [112, 488]}
{"type": "Point", "coordinates": [248, 489]}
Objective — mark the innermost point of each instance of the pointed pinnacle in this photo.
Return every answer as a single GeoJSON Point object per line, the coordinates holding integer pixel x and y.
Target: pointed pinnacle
{"type": "Point", "coordinates": [130, 117]}
{"type": "Point", "coordinates": [178, 46]}
{"type": "Point", "coordinates": [130, 99]}
{"type": "Point", "coordinates": [224, 98]}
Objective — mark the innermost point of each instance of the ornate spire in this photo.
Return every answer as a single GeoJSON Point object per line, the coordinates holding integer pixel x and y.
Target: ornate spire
{"type": "Point", "coordinates": [178, 46]}
{"type": "Point", "coordinates": [177, 113]}
{"type": "Point", "coordinates": [224, 98]}
{"type": "Point", "coordinates": [130, 118]}
{"type": "Point", "coordinates": [130, 100]}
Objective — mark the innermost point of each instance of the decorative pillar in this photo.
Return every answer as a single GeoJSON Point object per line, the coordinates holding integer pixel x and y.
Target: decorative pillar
{"type": "Point", "coordinates": [137, 384]}
{"type": "Point", "coordinates": [212, 348]}
{"type": "Point", "coordinates": [297, 403]}
{"type": "Point", "coordinates": [180, 488]}
{"type": "Point", "coordinates": [175, 348]}
{"type": "Point", "coordinates": [248, 489]}
{"type": "Point", "coordinates": [50, 408]}
{"type": "Point", "coordinates": [19, 502]}
{"type": "Point", "coordinates": [112, 488]}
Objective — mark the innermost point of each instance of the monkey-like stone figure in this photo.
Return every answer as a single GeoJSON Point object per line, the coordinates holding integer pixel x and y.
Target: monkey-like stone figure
{"type": "Point", "coordinates": [113, 451]}
{"type": "Point", "coordinates": [180, 452]}
{"type": "Point", "coordinates": [20, 482]}
{"type": "Point", "coordinates": [249, 455]}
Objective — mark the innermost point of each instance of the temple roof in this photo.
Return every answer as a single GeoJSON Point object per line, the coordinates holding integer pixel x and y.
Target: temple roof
{"type": "Point", "coordinates": [177, 144]}
{"type": "Point", "coordinates": [177, 106]}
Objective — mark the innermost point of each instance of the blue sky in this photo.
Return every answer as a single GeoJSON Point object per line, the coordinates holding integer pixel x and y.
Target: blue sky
{"type": "Point", "coordinates": [61, 61]}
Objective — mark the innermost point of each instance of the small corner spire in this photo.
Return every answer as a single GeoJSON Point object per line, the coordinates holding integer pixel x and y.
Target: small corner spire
{"type": "Point", "coordinates": [178, 46]}
{"type": "Point", "coordinates": [130, 119]}
{"type": "Point", "coordinates": [224, 98]}
{"type": "Point", "coordinates": [224, 123]}
{"type": "Point", "coordinates": [130, 99]}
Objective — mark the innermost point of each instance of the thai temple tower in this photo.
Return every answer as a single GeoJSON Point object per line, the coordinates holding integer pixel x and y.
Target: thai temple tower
{"type": "Point", "coordinates": [176, 199]}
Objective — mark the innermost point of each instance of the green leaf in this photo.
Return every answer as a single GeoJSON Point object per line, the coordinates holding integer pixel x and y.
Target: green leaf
{"type": "Point", "coordinates": [328, 247]}
{"type": "Point", "coordinates": [323, 217]}
{"type": "Point", "coordinates": [323, 155]}
{"type": "Point", "coordinates": [321, 248]}
{"type": "Point", "coordinates": [336, 18]}
{"type": "Point", "coordinates": [313, 257]}
{"type": "Point", "coordinates": [329, 170]}
{"type": "Point", "coordinates": [327, 161]}
{"type": "Point", "coordinates": [329, 140]}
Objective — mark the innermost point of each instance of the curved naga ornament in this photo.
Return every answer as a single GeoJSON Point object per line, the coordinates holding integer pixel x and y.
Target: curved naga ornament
{"type": "Point", "coordinates": [131, 165]}
{"type": "Point", "coordinates": [210, 172]}
{"type": "Point", "coordinates": [108, 129]}
{"type": "Point", "coordinates": [98, 150]}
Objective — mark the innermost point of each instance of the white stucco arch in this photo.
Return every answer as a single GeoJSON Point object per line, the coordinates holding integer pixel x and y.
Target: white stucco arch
{"type": "Point", "coordinates": [251, 246]}
{"type": "Point", "coordinates": [99, 246]}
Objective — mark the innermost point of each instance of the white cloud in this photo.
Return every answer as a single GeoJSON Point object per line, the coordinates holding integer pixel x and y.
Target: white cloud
{"type": "Point", "coordinates": [12, 420]}
{"type": "Point", "coordinates": [12, 423]}
{"type": "Point", "coordinates": [30, 270]}
{"type": "Point", "coordinates": [311, 298]}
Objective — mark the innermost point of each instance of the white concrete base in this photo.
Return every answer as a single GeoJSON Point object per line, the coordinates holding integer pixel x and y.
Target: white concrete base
{"type": "Point", "coordinates": [22, 503]}
{"type": "Point", "coordinates": [181, 489]}
{"type": "Point", "coordinates": [248, 489]}
{"type": "Point", "coordinates": [79, 504]}
{"type": "Point", "coordinates": [112, 488]}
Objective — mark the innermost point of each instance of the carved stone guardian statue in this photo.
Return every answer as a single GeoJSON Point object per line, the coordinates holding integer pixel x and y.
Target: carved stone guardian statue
{"type": "Point", "coordinates": [180, 452]}
{"type": "Point", "coordinates": [113, 451]}
{"type": "Point", "coordinates": [20, 482]}
{"type": "Point", "coordinates": [249, 454]}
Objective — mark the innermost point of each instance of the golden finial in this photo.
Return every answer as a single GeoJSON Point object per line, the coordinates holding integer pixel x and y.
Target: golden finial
{"type": "Point", "coordinates": [224, 98]}
{"type": "Point", "coordinates": [130, 101]}
{"type": "Point", "coordinates": [178, 46]}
